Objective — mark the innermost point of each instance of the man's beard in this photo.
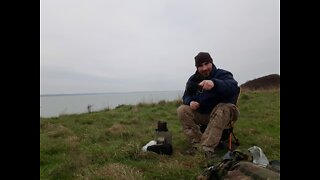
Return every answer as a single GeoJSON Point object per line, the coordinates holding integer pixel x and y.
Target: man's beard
{"type": "Point", "coordinates": [205, 74]}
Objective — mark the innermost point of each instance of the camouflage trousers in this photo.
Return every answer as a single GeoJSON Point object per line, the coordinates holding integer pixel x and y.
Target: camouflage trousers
{"type": "Point", "coordinates": [219, 119]}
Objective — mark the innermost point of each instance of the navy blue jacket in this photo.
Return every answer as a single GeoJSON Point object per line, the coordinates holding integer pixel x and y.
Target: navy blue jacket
{"type": "Point", "coordinates": [225, 90]}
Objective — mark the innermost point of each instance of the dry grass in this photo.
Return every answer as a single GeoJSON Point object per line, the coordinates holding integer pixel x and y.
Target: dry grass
{"type": "Point", "coordinates": [118, 171]}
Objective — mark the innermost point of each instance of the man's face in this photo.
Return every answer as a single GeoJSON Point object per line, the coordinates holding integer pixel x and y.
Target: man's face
{"type": "Point", "coordinates": [205, 69]}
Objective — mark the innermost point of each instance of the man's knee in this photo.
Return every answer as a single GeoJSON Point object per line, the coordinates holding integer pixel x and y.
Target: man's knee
{"type": "Point", "coordinates": [222, 115]}
{"type": "Point", "coordinates": [232, 110]}
{"type": "Point", "coordinates": [226, 109]}
{"type": "Point", "coordinates": [183, 109]}
{"type": "Point", "coordinates": [218, 119]}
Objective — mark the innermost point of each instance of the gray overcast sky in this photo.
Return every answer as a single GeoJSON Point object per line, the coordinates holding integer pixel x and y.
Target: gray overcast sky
{"type": "Point", "coordinates": [90, 46]}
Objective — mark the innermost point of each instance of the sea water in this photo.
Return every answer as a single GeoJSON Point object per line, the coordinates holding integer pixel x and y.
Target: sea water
{"type": "Point", "coordinates": [56, 105]}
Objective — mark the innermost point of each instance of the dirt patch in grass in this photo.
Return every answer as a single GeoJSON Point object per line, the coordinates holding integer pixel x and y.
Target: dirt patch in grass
{"type": "Point", "coordinates": [58, 130]}
{"type": "Point", "coordinates": [116, 129]}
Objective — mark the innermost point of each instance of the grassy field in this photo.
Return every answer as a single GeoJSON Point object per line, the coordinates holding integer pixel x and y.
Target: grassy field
{"type": "Point", "coordinates": [107, 144]}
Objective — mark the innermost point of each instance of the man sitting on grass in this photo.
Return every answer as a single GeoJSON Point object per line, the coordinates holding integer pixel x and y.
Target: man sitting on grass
{"type": "Point", "coordinates": [209, 100]}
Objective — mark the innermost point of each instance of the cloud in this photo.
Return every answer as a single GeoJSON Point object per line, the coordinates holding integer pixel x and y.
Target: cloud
{"type": "Point", "coordinates": [110, 46]}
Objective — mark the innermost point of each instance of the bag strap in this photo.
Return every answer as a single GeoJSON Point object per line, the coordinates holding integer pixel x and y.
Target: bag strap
{"type": "Point", "coordinates": [230, 137]}
{"type": "Point", "coordinates": [237, 140]}
{"type": "Point", "coordinates": [231, 125]}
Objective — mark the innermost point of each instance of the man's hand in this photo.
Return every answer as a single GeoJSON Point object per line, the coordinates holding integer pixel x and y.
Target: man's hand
{"type": "Point", "coordinates": [194, 105]}
{"type": "Point", "coordinates": [206, 84]}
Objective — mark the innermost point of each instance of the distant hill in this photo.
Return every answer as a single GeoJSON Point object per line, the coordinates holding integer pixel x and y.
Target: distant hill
{"type": "Point", "coordinates": [271, 81]}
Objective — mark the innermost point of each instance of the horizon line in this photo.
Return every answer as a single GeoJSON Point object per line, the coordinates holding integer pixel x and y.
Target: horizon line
{"type": "Point", "coordinates": [94, 93]}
